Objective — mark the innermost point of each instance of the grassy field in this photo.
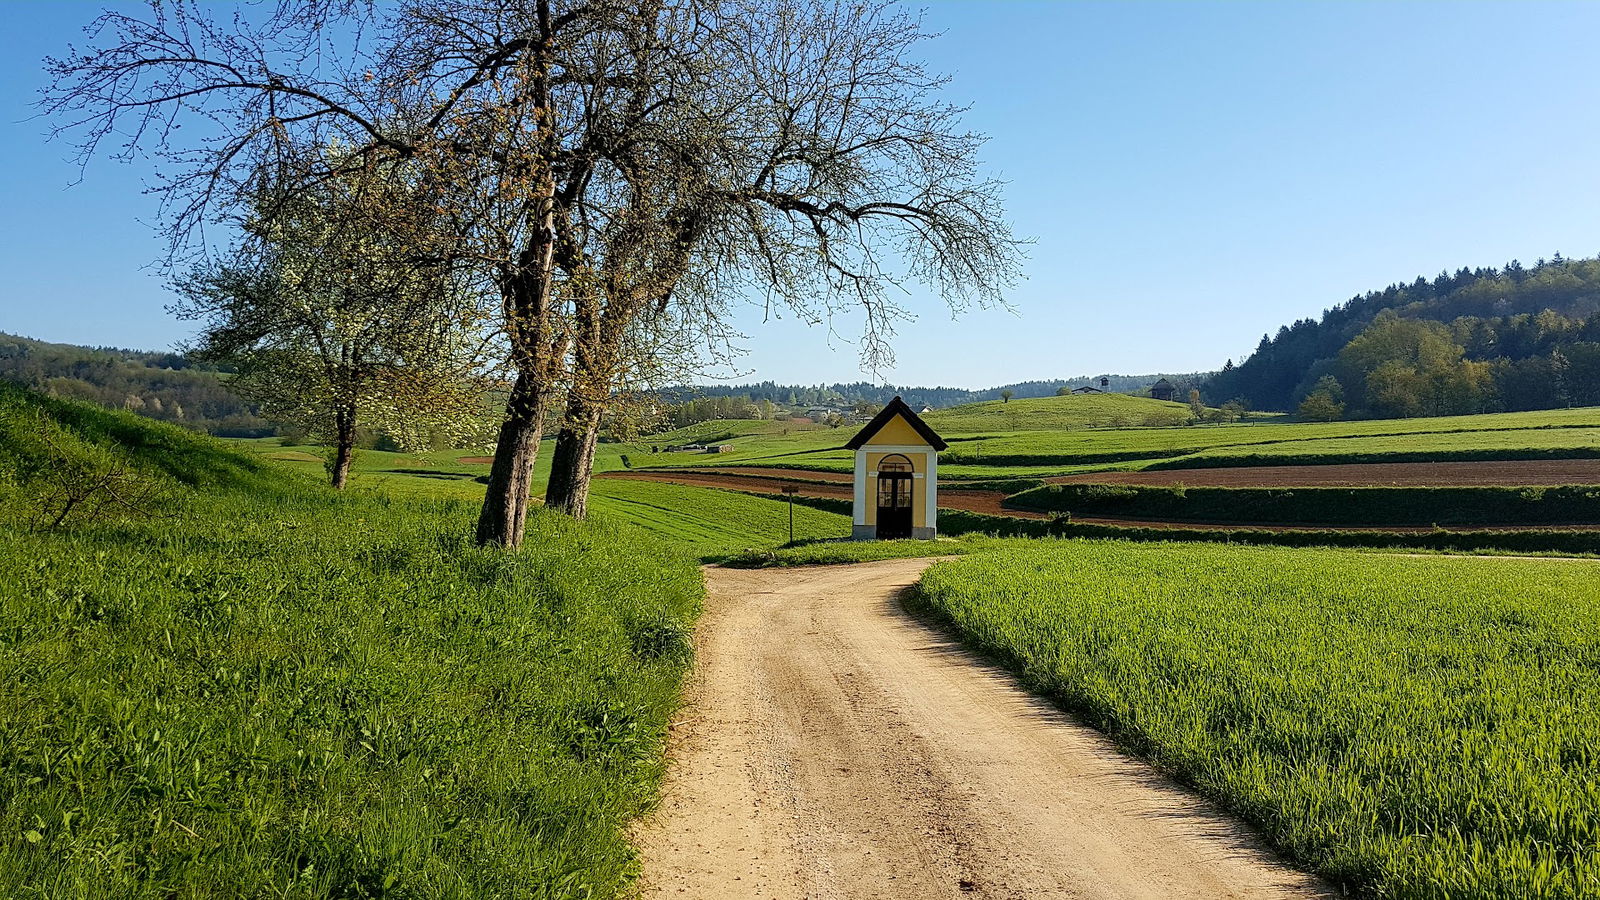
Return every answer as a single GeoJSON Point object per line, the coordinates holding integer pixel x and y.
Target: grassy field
{"type": "Point", "coordinates": [436, 474]}
{"type": "Point", "coordinates": [1046, 438]}
{"type": "Point", "coordinates": [1058, 414]}
{"type": "Point", "coordinates": [710, 523]}
{"type": "Point", "coordinates": [258, 688]}
{"type": "Point", "coordinates": [1497, 436]}
{"type": "Point", "coordinates": [1408, 727]}
{"type": "Point", "coordinates": [702, 523]}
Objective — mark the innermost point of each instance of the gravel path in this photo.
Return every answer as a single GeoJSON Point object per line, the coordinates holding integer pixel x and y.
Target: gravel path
{"type": "Point", "coordinates": [835, 747]}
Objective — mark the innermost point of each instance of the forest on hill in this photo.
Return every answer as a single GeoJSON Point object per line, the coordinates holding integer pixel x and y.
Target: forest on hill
{"type": "Point", "coordinates": [174, 387]}
{"type": "Point", "coordinates": [845, 394]}
{"type": "Point", "coordinates": [167, 386]}
{"type": "Point", "coordinates": [1479, 340]}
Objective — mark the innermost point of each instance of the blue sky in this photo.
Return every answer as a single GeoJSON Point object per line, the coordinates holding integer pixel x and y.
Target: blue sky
{"type": "Point", "coordinates": [1194, 174]}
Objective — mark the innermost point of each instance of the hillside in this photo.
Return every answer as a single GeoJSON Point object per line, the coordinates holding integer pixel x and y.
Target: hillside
{"type": "Point", "coordinates": [803, 395]}
{"type": "Point", "coordinates": [250, 686]}
{"type": "Point", "coordinates": [168, 387]}
{"type": "Point", "coordinates": [1058, 413]}
{"type": "Point", "coordinates": [1478, 340]}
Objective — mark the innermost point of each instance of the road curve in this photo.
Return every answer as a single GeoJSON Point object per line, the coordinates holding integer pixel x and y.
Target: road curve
{"type": "Point", "coordinates": [835, 747]}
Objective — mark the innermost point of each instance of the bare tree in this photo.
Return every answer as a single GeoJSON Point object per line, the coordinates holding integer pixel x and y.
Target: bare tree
{"type": "Point", "coordinates": [792, 147]}
{"type": "Point", "coordinates": [799, 153]}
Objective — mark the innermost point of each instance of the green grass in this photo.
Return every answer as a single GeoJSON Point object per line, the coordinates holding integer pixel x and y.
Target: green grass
{"type": "Point", "coordinates": [986, 443]}
{"type": "Point", "coordinates": [1501, 436]}
{"type": "Point", "coordinates": [271, 690]}
{"type": "Point", "coordinates": [710, 523]}
{"type": "Point", "coordinates": [831, 553]}
{"type": "Point", "coordinates": [434, 474]}
{"type": "Point", "coordinates": [699, 522]}
{"type": "Point", "coordinates": [1408, 727]}
{"type": "Point", "coordinates": [1058, 413]}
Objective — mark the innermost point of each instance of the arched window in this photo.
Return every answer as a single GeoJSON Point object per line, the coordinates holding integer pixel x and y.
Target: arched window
{"type": "Point", "coordinates": [894, 484]}
{"type": "Point", "coordinates": [895, 463]}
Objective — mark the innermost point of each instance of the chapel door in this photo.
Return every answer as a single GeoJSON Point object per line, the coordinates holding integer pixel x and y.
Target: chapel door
{"type": "Point", "coordinates": [894, 497]}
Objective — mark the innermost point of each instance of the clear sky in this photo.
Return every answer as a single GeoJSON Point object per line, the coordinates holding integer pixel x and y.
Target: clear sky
{"type": "Point", "coordinates": [1194, 174]}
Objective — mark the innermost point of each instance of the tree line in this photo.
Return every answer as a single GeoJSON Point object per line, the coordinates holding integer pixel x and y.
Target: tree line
{"type": "Point", "coordinates": [800, 396]}
{"type": "Point", "coordinates": [1481, 340]}
{"type": "Point", "coordinates": [161, 385]}
{"type": "Point", "coordinates": [562, 197]}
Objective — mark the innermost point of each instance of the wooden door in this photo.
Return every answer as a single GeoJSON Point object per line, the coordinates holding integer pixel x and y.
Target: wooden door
{"type": "Point", "coordinates": [895, 485]}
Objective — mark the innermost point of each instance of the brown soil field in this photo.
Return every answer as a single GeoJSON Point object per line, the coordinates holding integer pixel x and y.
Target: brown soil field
{"type": "Point", "coordinates": [475, 460]}
{"type": "Point", "coordinates": [989, 503]}
{"type": "Point", "coordinates": [1489, 473]}
{"type": "Point", "coordinates": [970, 501]}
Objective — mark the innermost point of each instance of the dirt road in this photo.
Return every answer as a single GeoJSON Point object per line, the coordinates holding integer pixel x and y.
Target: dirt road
{"type": "Point", "coordinates": [835, 747]}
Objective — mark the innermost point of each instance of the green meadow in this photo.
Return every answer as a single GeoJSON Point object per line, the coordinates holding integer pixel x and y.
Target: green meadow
{"type": "Point", "coordinates": [1066, 435]}
{"type": "Point", "coordinates": [254, 687]}
{"type": "Point", "coordinates": [1407, 727]}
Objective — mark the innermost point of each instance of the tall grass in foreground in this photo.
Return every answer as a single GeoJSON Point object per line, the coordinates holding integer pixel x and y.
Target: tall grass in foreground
{"type": "Point", "coordinates": [283, 693]}
{"type": "Point", "coordinates": [1407, 727]}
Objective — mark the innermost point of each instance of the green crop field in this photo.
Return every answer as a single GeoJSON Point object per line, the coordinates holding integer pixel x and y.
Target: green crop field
{"type": "Point", "coordinates": [258, 688]}
{"type": "Point", "coordinates": [1058, 413]}
{"type": "Point", "coordinates": [710, 523]}
{"type": "Point", "coordinates": [1052, 436]}
{"type": "Point", "coordinates": [1408, 727]}
{"type": "Point", "coordinates": [700, 522]}
{"type": "Point", "coordinates": [1287, 443]}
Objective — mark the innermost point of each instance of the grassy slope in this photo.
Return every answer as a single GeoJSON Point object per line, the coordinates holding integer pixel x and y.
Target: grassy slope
{"type": "Point", "coordinates": [1413, 727]}
{"type": "Point", "coordinates": [710, 523]}
{"type": "Point", "coordinates": [702, 523]}
{"type": "Point", "coordinates": [281, 692]}
{"type": "Point", "coordinates": [1057, 413]}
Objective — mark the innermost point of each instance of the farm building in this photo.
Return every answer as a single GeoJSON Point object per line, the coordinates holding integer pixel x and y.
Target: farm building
{"type": "Point", "coordinates": [897, 470]}
{"type": "Point", "coordinates": [1163, 390]}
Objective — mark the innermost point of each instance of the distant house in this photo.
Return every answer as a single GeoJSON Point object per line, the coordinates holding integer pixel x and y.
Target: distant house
{"type": "Point", "coordinates": [1087, 389]}
{"type": "Point", "coordinates": [1163, 390]}
{"type": "Point", "coordinates": [925, 410]}
{"type": "Point", "coordinates": [720, 448]}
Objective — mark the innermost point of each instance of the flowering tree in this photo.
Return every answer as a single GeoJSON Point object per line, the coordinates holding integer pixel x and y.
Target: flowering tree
{"type": "Point", "coordinates": [338, 311]}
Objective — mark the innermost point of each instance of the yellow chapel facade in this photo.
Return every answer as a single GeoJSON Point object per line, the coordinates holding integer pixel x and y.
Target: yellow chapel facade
{"type": "Point", "coordinates": [896, 476]}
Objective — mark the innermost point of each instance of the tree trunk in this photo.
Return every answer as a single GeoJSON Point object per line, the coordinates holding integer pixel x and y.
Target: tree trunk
{"type": "Point", "coordinates": [344, 422]}
{"type": "Point", "coordinates": [505, 502]}
{"type": "Point", "coordinates": [572, 466]}
{"type": "Point", "coordinates": [536, 349]}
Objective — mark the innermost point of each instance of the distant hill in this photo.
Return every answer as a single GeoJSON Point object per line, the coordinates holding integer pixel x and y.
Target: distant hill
{"type": "Point", "coordinates": [168, 387]}
{"type": "Point", "coordinates": [845, 394]}
{"type": "Point", "coordinates": [1478, 340]}
{"type": "Point", "coordinates": [1058, 413]}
